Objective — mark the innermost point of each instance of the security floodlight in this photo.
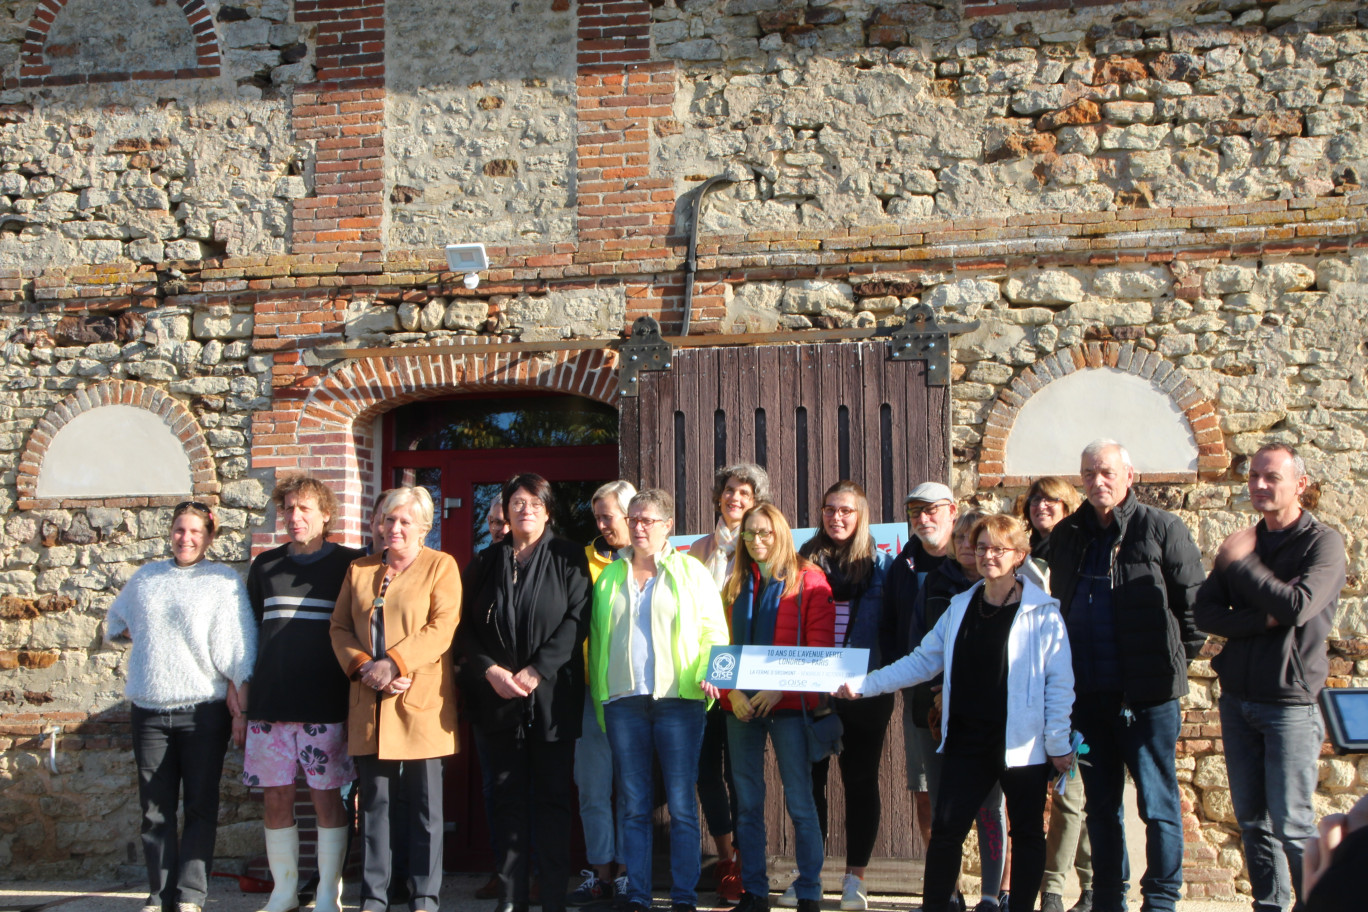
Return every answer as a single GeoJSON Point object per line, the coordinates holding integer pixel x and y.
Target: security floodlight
{"type": "Point", "coordinates": [468, 258]}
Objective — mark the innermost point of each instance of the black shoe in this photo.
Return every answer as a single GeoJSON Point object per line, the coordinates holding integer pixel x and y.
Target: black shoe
{"type": "Point", "coordinates": [809, 905]}
{"type": "Point", "coordinates": [1051, 902]}
{"type": "Point", "coordinates": [683, 907]}
{"type": "Point", "coordinates": [752, 903]}
{"type": "Point", "coordinates": [636, 907]}
{"type": "Point", "coordinates": [1084, 903]}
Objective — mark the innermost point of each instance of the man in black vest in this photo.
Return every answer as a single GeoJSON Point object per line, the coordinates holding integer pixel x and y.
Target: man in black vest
{"type": "Point", "coordinates": [1126, 575]}
{"type": "Point", "coordinates": [1273, 594]}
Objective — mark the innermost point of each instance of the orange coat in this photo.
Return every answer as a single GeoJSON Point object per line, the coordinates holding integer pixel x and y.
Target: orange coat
{"type": "Point", "coordinates": [422, 609]}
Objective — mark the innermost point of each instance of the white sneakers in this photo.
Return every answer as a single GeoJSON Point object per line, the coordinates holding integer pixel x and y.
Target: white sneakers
{"type": "Point", "coordinates": [853, 898]}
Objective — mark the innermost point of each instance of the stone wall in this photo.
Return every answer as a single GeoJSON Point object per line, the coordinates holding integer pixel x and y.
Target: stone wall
{"type": "Point", "coordinates": [480, 124]}
{"type": "Point", "coordinates": [151, 170]}
{"type": "Point", "coordinates": [857, 113]}
{"type": "Point", "coordinates": [62, 565]}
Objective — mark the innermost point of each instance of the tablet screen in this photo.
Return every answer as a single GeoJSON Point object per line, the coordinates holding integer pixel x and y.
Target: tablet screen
{"type": "Point", "coordinates": [1353, 709]}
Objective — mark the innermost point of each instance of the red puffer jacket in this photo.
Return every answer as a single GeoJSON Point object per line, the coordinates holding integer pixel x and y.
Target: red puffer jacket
{"type": "Point", "coordinates": [819, 626]}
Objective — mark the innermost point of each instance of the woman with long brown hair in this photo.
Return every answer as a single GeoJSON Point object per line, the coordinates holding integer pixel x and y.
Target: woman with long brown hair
{"type": "Point", "coordinates": [844, 550]}
{"type": "Point", "coordinates": [775, 597]}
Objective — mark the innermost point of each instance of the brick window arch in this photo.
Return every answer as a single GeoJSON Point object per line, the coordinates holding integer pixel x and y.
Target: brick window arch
{"type": "Point", "coordinates": [335, 439]}
{"type": "Point", "coordinates": [178, 421]}
{"type": "Point", "coordinates": [1192, 413]}
{"type": "Point", "coordinates": [34, 69]}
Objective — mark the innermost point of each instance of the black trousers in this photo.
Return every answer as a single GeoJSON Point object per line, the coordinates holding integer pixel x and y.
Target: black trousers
{"type": "Point", "coordinates": [418, 784]}
{"type": "Point", "coordinates": [965, 781]}
{"type": "Point", "coordinates": [533, 781]}
{"type": "Point", "coordinates": [865, 723]}
{"type": "Point", "coordinates": [174, 748]}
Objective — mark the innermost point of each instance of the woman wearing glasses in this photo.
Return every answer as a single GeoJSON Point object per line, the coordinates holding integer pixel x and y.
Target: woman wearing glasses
{"type": "Point", "coordinates": [526, 612]}
{"type": "Point", "coordinates": [194, 642]}
{"type": "Point", "coordinates": [1004, 651]}
{"type": "Point", "coordinates": [656, 616]}
{"type": "Point", "coordinates": [391, 630]}
{"type": "Point", "coordinates": [776, 598]}
{"type": "Point", "coordinates": [844, 550]}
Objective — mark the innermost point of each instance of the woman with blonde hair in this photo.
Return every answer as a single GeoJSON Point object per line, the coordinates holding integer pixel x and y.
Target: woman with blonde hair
{"type": "Point", "coordinates": [1004, 651]}
{"type": "Point", "coordinates": [391, 630]}
{"type": "Point", "coordinates": [775, 598]}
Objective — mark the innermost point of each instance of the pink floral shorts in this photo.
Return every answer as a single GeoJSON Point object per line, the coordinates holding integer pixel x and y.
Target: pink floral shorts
{"type": "Point", "coordinates": [276, 749]}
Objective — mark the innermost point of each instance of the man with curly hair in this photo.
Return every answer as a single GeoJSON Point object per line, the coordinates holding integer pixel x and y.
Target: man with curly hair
{"type": "Point", "coordinates": [296, 708]}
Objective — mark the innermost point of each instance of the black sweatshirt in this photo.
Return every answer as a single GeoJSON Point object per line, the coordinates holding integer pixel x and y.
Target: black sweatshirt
{"type": "Point", "coordinates": [1295, 576]}
{"type": "Point", "coordinates": [297, 678]}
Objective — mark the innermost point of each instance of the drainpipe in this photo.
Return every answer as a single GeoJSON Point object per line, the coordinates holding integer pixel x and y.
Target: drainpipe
{"type": "Point", "coordinates": [691, 258]}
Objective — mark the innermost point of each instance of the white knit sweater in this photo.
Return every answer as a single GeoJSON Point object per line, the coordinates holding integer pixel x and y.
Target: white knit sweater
{"type": "Point", "coordinates": [192, 632]}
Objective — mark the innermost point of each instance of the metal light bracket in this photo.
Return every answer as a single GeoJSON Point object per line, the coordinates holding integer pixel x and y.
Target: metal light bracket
{"type": "Point", "coordinates": [921, 338]}
{"type": "Point", "coordinates": [643, 350]}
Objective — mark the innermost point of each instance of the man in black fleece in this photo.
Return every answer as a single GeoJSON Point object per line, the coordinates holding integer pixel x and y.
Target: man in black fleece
{"type": "Point", "coordinates": [1126, 574]}
{"type": "Point", "coordinates": [1273, 594]}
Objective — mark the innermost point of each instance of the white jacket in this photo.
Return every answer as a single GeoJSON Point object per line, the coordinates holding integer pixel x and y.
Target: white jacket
{"type": "Point", "coordinates": [1039, 673]}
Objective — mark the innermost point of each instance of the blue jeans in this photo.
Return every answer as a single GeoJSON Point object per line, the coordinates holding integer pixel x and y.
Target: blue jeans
{"type": "Point", "coordinates": [671, 730]}
{"type": "Point", "coordinates": [1271, 752]}
{"type": "Point", "coordinates": [594, 778]}
{"type": "Point", "coordinates": [746, 741]}
{"type": "Point", "coordinates": [1143, 741]}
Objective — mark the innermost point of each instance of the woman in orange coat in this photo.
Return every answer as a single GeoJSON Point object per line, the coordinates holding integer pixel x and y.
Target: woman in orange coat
{"type": "Point", "coordinates": [392, 631]}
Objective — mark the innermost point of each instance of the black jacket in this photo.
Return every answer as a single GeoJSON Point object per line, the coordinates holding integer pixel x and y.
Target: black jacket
{"type": "Point", "coordinates": [898, 633]}
{"type": "Point", "coordinates": [542, 623]}
{"type": "Point", "coordinates": [1296, 577]}
{"type": "Point", "coordinates": [1155, 569]}
{"type": "Point", "coordinates": [937, 590]}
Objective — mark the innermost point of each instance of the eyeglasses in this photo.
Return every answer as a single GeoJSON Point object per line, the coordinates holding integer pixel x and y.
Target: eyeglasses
{"type": "Point", "coordinates": [915, 510]}
{"type": "Point", "coordinates": [992, 551]}
{"type": "Point", "coordinates": [192, 505]}
{"type": "Point", "coordinates": [751, 535]}
{"type": "Point", "coordinates": [644, 522]}
{"type": "Point", "coordinates": [843, 512]}
{"type": "Point", "coordinates": [526, 506]}
{"type": "Point", "coordinates": [1044, 499]}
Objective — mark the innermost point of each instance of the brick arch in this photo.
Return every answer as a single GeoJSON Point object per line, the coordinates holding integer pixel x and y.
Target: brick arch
{"type": "Point", "coordinates": [1212, 456]}
{"type": "Point", "coordinates": [34, 71]}
{"type": "Point", "coordinates": [334, 437]}
{"type": "Point", "coordinates": [173, 413]}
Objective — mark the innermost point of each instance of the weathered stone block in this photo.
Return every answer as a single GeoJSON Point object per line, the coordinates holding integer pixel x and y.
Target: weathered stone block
{"type": "Point", "coordinates": [1050, 287]}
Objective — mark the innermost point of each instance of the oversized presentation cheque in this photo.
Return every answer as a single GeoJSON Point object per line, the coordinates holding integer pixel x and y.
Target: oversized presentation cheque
{"type": "Point", "coordinates": [803, 668]}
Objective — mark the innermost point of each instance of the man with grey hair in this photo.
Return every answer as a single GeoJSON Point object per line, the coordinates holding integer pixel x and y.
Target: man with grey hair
{"type": "Point", "coordinates": [1126, 575]}
{"type": "Point", "coordinates": [594, 772]}
{"type": "Point", "coordinates": [1272, 594]}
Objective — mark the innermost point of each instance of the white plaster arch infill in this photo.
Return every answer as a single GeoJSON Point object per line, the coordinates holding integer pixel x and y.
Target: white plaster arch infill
{"type": "Point", "coordinates": [1049, 413]}
{"type": "Point", "coordinates": [119, 443]}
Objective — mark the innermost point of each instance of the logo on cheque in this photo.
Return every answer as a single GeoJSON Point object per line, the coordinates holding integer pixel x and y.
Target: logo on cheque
{"type": "Point", "coordinates": [724, 667]}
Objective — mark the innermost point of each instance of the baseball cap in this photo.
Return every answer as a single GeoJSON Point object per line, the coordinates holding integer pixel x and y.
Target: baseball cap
{"type": "Point", "coordinates": [930, 492]}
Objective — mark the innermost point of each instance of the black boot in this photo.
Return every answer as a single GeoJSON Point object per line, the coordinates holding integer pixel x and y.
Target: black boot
{"type": "Point", "coordinates": [1051, 902]}
{"type": "Point", "coordinates": [1084, 903]}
